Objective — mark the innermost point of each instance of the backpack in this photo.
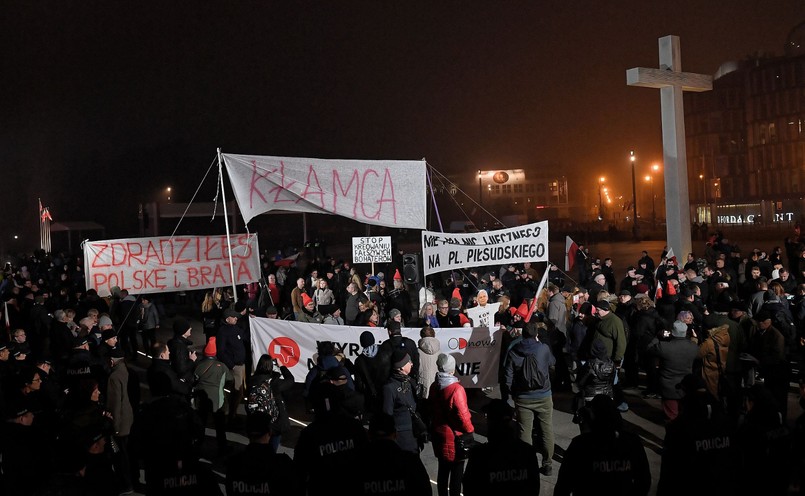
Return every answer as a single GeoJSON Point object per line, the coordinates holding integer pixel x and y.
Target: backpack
{"type": "Point", "coordinates": [781, 322]}
{"type": "Point", "coordinates": [261, 399]}
{"type": "Point", "coordinates": [529, 377]}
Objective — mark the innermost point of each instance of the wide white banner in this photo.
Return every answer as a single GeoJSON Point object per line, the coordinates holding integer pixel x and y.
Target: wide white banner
{"type": "Point", "coordinates": [381, 192]}
{"type": "Point", "coordinates": [447, 251]}
{"type": "Point", "coordinates": [293, 344]}
{"type": "Point", "coordinates": [179, 263]}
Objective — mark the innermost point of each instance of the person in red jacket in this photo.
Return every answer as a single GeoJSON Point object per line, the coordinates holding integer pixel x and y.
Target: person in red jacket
{"type": "Point", "coordinates": [450, 419]}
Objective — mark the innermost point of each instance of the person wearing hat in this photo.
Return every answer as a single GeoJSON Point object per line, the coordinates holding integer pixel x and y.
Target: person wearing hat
{"type": "Point", "coordinates": [259, 469]}
{"type": "Point", "coordinates": [612, 331]}
{"type": "Point", "coordinates": [504, 453]}
{"type": "Point", "coordinates": [450, 418]}
{"type": "Point", "coordinates": [397, 341]}
{"type": "Point", "coordinates": [82, 365]}
{"type": "Point", "coordinates": [399, 299]}
{"type": "Point", "coordinates": [209, 399]}
{"type": "Point", "coordinates": [119, 406]}
{"type": "Point", "coordinates": [384, 465]}
{"type": "Point", "coordinates": [608, 445]}
{"type": "Point", "coordinates": [182, 356]}
{"type": "Point", "coordinates": [630, 282]}
{"type": "Point", "coordinates": [399, 400]}
{"type": "Point", "coordinates": [532, 401]}
{"type": "Point", "coordinates": [370, 374]}
{"type": "Point", "coordinates": [309, 313]}
{"type": "Point", "coordinates": [21, 449]}
{"type": "Point", "coordinates": [148, 321]}
{"type": "Point", "coordinates": [700, 423]}
{"type": "Point", "coordinates": [102, 352]}
{"type": "Point", "coordinates": [676, 354]}
{"type": "Point", "coordinates": [232, 353]}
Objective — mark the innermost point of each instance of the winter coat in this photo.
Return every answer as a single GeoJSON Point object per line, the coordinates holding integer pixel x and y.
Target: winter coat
{"type": "Point", "coordinates": [428, 353]}
{"type": "Point", "coordinates": [514, 362]}
{"type": "Point", "coordinates": [179, 348]}
{"type": "Point", "coordinates": [611, 332]}
{"type": "Point", "coordinates": [596, 376]}
{"type": "Point", "coordinates": [280, 383]}
{"type": "Point", "coordinates": [710, 362]}
{"type": "Point", "coordinates": [210, 377]}
{"type": "Point", "coordinates": [449, 415]}
{"type": "Point", "coordinates": [676, 361]}
{"type": "Point", "coordinates": [231, 347]}
{"type": "Point", "coordinates": [399, 401]}
{"type": "Point", "coordinates": [311, 318]}
{"type": "Point", "coordinates": [647, 324]}
{"type": "Point", "coordinates": [149, 317]}
{"type": "Point", "coordinates": [117, 400]}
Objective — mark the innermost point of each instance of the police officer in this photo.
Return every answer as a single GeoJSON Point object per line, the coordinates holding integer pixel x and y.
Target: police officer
{"type": "Point", "coordinates": [504, 465]}
{"type": "Point", "coordinates": [385, 468]}
{"type": "Point", "coordinates": [258, 469]}
{"type": "Point", "coordinates": [323, 449]}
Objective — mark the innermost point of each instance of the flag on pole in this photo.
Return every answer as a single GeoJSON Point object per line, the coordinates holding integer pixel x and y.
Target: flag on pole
{"type": "Point", "coordinates": [44, 213]}
{"type": "Point", "coordinates": [533, 307]}
{"type": "Point", "coordinates": [670, 255]}
{"type": "Point", "coordinates": [658, 291]}
{"type": "Point", "coordinates": [570, 253]}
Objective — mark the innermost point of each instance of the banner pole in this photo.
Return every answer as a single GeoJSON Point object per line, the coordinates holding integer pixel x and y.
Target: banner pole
{"type": "Point", "coordinates": [226, 223]}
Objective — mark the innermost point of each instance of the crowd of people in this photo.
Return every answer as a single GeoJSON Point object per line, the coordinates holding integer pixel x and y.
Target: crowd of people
{"type": "Point", "coordinates": [717, 340]}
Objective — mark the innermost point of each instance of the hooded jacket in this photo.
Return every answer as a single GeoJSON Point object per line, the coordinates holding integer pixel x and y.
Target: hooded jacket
{"type": "Point", "coordinates": [450, 415]}
{"type": "Point", "coordinates": [428, 353]}
{"type": "Point", "coordinates": [710, 363]}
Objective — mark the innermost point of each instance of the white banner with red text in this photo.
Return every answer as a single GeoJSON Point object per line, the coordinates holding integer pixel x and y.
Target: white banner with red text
{"type": "Point", "coordinates": [448, 251]}
{"type": "Point", "coordinates": [293, 344]}
{"type": "Point", "coordinates": [381, 192]}
{"type": "Point", "coordinates": [163, 264]}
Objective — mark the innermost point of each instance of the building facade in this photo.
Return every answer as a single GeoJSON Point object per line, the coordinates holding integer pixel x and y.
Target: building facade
{"type": "Point", "coordinates": [746, 142]}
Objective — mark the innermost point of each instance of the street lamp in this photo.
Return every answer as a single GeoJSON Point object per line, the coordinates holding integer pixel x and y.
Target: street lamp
{"type": "Point", "coordinates": [169, 193]}
{"type": "Point", "coordinates": [600, 199]}
{"type": "Point", "coordinates": [632, 158]}
{"type": "Point", "coordinates": [480, 190]}
{"type": "Point", "coordinates": [650, 179]}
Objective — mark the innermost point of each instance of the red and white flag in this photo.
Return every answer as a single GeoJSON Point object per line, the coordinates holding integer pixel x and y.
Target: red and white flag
{"type": "Point", "coordinates": [570, 253]}
{"type": "Point", "coordinates": [533, 307]}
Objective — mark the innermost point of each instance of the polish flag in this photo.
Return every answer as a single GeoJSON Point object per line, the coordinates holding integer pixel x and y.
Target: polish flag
{"type": "Point", "coordinates": [570, 253]}
{"type": "Point", "coordinates": [533, 307]}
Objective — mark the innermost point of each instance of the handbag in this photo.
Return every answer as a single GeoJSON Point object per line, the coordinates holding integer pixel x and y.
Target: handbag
{"type": "Point", "coordinates": [463, 445]}
{"type": "Point", "coordinates": [419, 427]}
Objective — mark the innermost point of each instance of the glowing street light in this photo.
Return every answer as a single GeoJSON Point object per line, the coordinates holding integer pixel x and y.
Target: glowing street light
{"type": "Point", "coordinates": [169, 193]}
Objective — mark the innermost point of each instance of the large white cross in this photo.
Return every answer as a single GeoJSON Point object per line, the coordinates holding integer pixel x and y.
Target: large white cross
{"type": "Point", "coordinates": [671, 81]}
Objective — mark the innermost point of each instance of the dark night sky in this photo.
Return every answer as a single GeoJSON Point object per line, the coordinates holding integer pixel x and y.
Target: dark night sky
{"type": "Point", "coordinates": [104, 104]}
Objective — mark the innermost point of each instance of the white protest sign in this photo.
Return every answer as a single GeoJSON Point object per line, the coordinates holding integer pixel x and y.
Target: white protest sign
{"type": "Point", "coordinates": [380, 192]}
{"type": "Point", "coordinates": [447, 251]}
{"type": "Point", "coordinates": [178, 263]}
{"type": "Point", "coordinates": [293, 344]}
{"type": "Point", "coordinates": [371, 249]}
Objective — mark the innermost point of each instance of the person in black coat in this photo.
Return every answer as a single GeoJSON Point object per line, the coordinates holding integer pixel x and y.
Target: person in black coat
{"type": "Point", "coordinates": [259, 466]}
{"type": "Point", "coordinates": [505, 454]}
{"type": "Point", "coordinates": [162, 379]}
{"type": "Point", "coordinates": [182, 357]}
{"type": "Point", "coordinates": [385, 467]}
{"type": "Point", "coordinates": [397, 341]}
{"type": "Point", "coordinates": [282, 380]}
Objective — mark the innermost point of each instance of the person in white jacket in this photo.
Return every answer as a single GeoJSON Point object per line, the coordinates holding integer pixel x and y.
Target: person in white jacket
{"type": "Point", "coordinates": [429, 348]}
